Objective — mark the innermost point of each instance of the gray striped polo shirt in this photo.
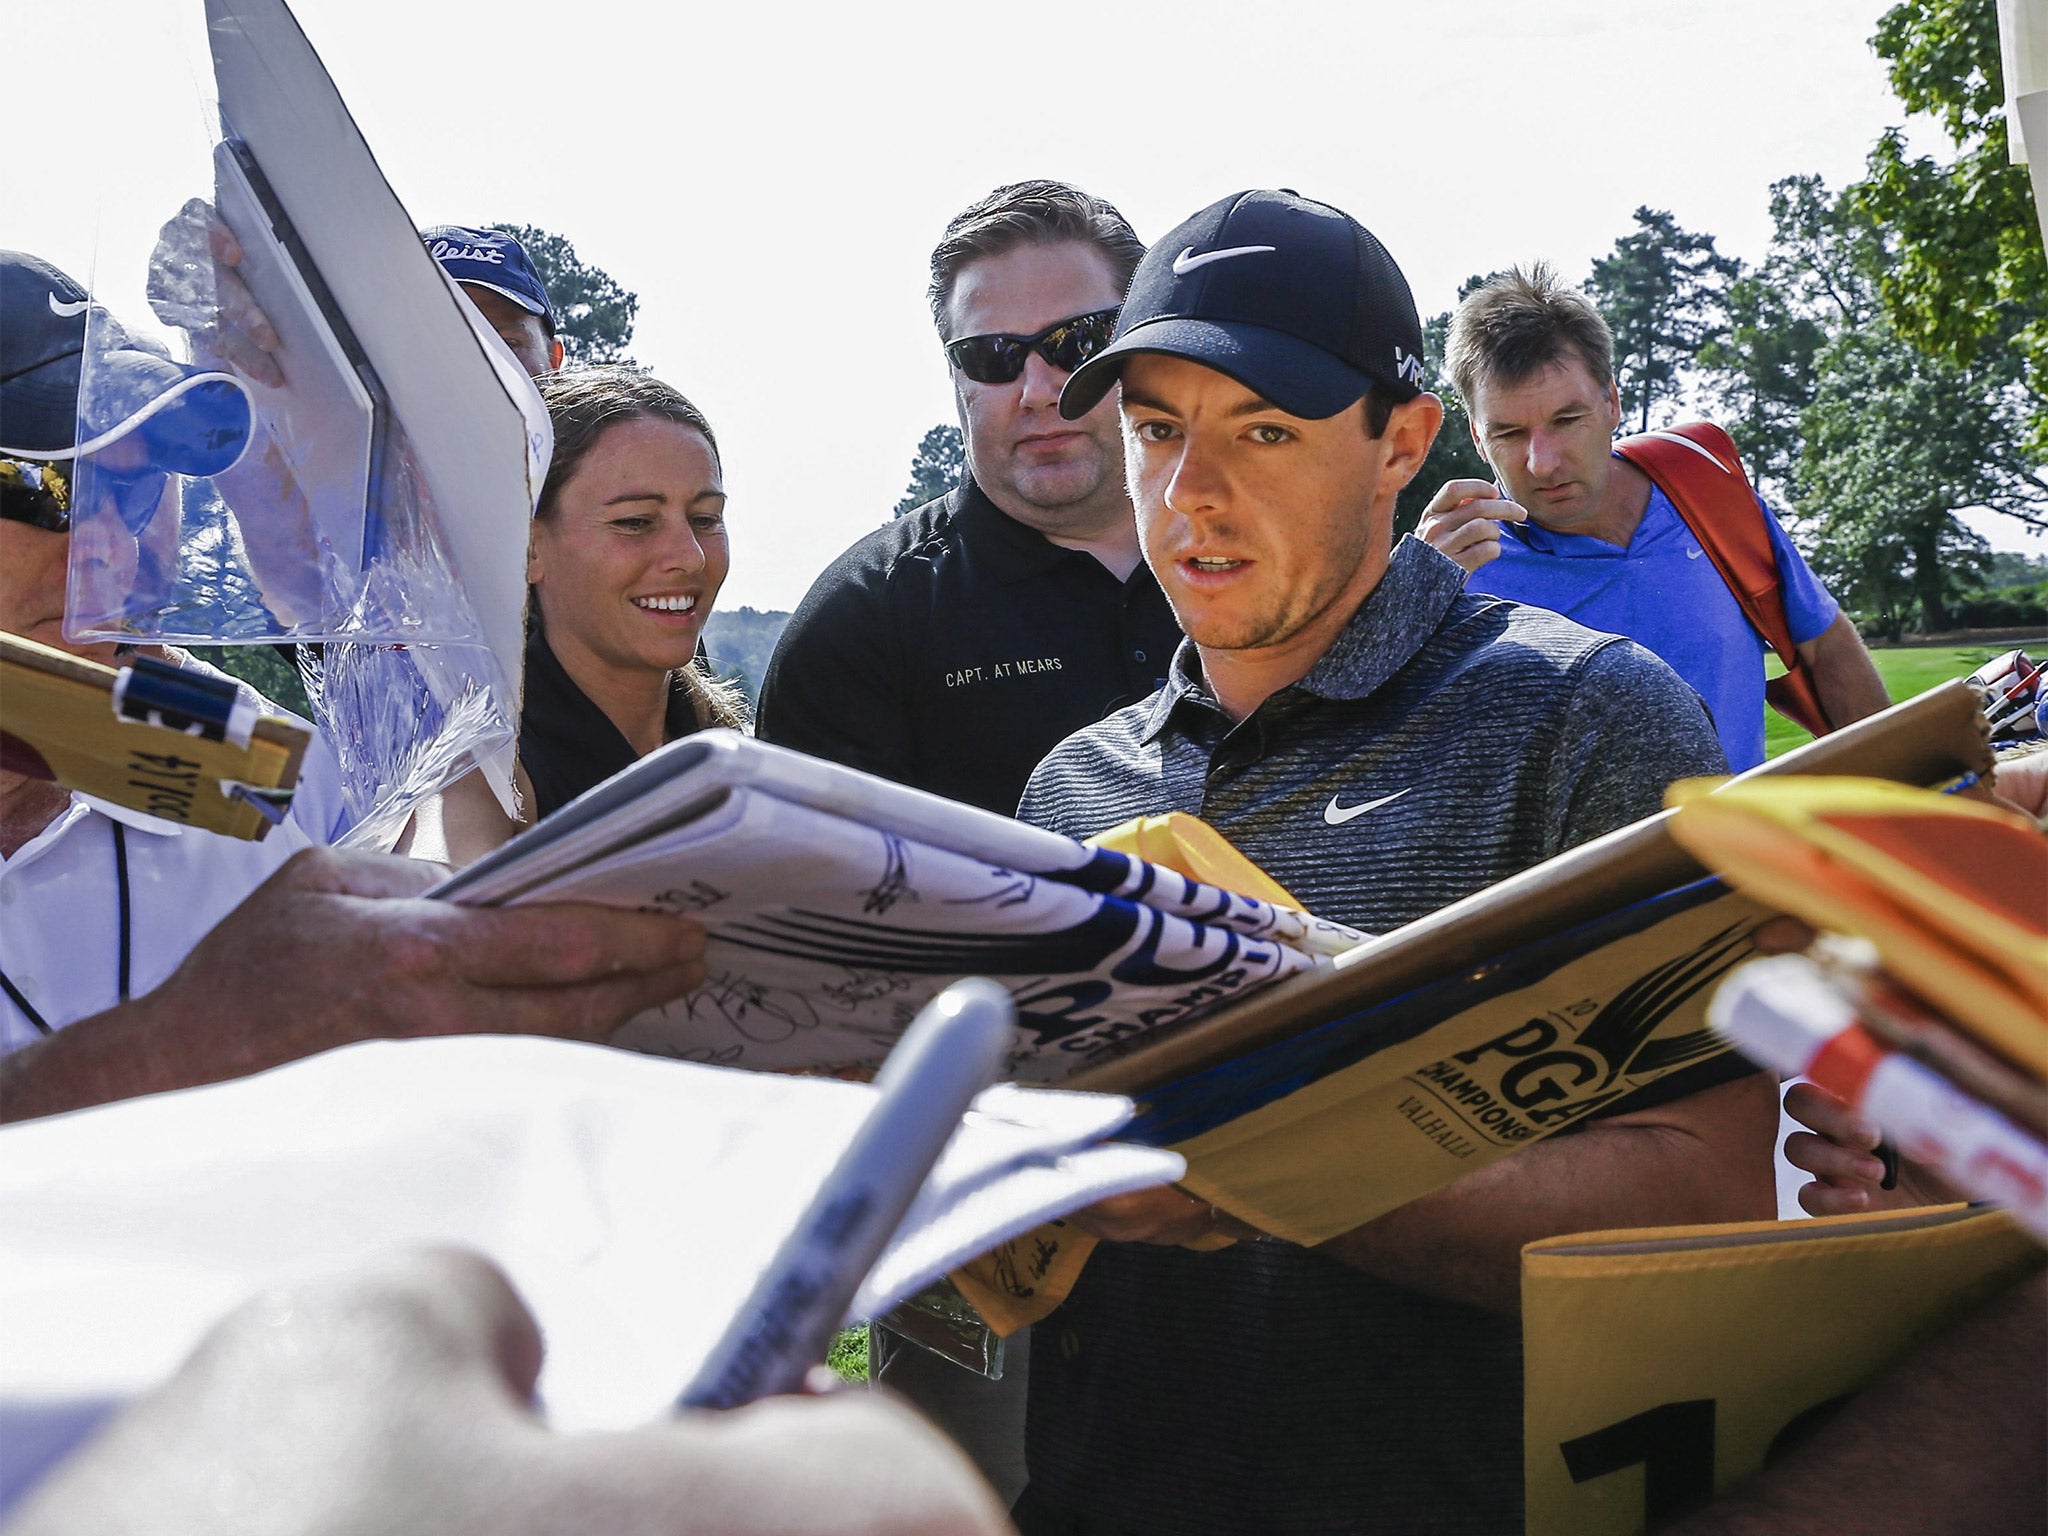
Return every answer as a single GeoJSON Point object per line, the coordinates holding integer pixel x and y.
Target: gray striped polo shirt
{"type": "Point", "coordinates": [1444, 742]}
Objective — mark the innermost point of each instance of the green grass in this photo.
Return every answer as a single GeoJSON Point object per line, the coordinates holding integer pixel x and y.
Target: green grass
{"type": "Point", "coordinates": [1907, 670]}
{"type": "Point", "coordinates": [849, 1354]}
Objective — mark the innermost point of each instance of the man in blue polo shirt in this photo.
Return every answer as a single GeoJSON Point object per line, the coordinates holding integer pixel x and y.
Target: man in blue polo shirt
{"type": "Point", "coordinates": [1571, 527]}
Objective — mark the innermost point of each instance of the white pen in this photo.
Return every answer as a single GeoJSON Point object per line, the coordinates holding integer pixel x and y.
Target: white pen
{"type": "Point", "coordinates": [952, 1051]}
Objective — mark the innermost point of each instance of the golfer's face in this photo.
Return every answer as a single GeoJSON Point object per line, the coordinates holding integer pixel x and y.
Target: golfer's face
{"type": "Point", "coordinates": [1259, 525]}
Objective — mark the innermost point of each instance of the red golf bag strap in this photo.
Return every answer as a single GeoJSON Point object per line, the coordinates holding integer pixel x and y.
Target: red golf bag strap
{"type": "Point", "coordinates": [1696, 465]}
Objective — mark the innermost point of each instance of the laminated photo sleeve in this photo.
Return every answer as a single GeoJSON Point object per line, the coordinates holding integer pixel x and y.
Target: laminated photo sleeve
{"type": "Point", "coordinates": [326, 447]}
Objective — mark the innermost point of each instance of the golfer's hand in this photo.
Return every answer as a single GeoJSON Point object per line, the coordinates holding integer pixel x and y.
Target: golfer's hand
{"type": "Point", "coordinates": [1168, 1216]}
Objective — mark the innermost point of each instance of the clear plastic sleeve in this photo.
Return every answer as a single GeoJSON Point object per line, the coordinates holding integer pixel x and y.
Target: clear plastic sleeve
{"type": "Point", "coordinates": [265, 469]}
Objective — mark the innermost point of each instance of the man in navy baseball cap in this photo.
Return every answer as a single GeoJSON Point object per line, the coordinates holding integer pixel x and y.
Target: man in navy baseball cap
{"type": "Point", "coordinates": [191, 420]}
{"type": "Point", "coordinates": [1249, 336]}
{"type": "Point", "coordinates": [500, 279]}
{"type": "Point", "coordinates": [1322, 714]}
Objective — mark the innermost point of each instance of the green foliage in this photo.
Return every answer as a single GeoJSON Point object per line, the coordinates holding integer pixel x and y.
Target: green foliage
{"type": "Point", "coordinates": [2002, 607]}
{"type": "Point", "coordinates": [271, 670]}
{"type": "Point", "coordinates": [1451, 456]}
{"type": "Point", "coordinates": [2006, 568]}
{"type": "Point", "coordinates": [1817, 277]}
{"type": "Point", "coordinates": [1868, 360]}
{"type": "Point", "coordinates": [1765, 369]}
{"type": "Point", "coordinates": [593, 314]}
{"type": "Point", "coordinates": [1895, 440]}
{"type": "Point", "coordinates": [739, 642]}
{"type": "Point", "coordinates": [1968, 273]}
{"type": "Point", "coordinates": [849, 1354]}
{"type": "Point", "coordinates": [1664, 291]}
{"type": "Point", "coordinates": [939, 464]}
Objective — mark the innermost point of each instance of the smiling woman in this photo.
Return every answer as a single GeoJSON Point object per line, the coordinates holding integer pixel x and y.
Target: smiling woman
{"type": "Point", "coordinates": [627, 556]}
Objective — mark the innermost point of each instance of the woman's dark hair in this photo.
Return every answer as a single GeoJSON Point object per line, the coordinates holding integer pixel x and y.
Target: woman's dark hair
{"type": "Point", "coordinates": [582, 403]}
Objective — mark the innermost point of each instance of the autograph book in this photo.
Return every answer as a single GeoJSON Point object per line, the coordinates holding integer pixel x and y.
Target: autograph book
{"type": "Point", "coordinates": [837, 904]}
{"type": "Point", "coordinates": [1429, 1052]}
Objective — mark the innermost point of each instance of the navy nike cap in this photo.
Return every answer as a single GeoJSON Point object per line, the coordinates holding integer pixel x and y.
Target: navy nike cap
{"type": "Point", "coordinates": [1294, 299]}
{"type": "Point", "coordinates": [60, 401]}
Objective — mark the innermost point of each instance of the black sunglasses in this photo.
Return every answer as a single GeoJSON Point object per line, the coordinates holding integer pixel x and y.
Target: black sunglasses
{"type": "Point", "coordinates": [998, 358]}
{"type": "Point", "coordinates": [35, 493]}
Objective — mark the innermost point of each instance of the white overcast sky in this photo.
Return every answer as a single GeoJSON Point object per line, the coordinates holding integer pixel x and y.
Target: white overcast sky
{"type": "Point", "coordinates": [770, 178]}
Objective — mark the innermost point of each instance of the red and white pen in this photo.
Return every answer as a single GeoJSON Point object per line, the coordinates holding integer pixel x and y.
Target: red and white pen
{"type": "Point", "coordinates": [1787, 1014]}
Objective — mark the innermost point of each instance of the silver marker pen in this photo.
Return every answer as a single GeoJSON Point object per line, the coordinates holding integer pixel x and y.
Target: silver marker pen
{"type": "Point", "coordinates": [953, 1049]}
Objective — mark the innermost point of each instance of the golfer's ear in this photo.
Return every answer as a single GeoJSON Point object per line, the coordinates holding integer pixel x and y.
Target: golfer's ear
{"type": "Point", "coordinates": [1411, 427]}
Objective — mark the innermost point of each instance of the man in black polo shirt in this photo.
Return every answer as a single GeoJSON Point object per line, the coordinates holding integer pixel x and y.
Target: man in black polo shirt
{"type": "Point", "coordinates": [1383, 744]}
{"type": "Point", "coordinates": [952, 647]}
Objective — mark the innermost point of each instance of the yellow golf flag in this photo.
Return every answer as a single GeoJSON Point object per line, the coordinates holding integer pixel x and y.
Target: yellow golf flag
{"type": "Point", "coordinates": [1663, 1366]}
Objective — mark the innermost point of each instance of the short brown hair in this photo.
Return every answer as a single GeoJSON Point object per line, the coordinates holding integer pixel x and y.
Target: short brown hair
{"type": "Point", "coordinates": [1030, 213]}
{"type": "Point", "coordinates": [1518, 323]}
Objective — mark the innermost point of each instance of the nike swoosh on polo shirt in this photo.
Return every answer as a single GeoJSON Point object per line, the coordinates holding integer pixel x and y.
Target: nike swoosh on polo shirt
{"type": "Point", "coordinates": [1337, 815]}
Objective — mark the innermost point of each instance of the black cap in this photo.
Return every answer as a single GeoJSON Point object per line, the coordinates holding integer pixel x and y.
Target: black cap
{"type": "Point", "coordinates": [194, 421]}
{"type": "Point", "coordinates": [1292, 298]}
{"type": "Point", "coordinates": [42, 339]}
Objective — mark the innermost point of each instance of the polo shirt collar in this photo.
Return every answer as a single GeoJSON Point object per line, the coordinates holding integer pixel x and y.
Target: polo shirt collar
{"type": "Point", "coordinates": [73, 815]}
{"type": "Point", "coordinates": [134, 820]}
{"type": "Point", "coordinates": [1014, 552]}
{"type": "Point", "coordinates": [1391, 625]}
{"type": "Point", "coordinates": [1658, 513]}
{"type": "Point", "coordinates": [1183, 681]}
{"type": "Point", "coordinates": [1394, 622]}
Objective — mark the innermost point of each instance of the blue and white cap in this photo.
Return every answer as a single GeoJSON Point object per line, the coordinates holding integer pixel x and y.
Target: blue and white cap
{"type": "Point", "coordinates": [491, 259]}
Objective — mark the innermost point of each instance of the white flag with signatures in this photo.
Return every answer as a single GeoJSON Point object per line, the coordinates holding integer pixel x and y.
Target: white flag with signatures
{"type": "Point", "coordinates": [837, 904]}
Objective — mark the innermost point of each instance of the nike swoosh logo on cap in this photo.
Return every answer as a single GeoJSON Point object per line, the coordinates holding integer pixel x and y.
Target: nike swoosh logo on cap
{"type": "Point", "coordinates": [65, 311]}
{"type": "Point", "coordinates": [1337, 815]}
{"type": "Point", "coordinates": [1694, 554]}
{"type": "Point", "coordinates": [1187, 260]}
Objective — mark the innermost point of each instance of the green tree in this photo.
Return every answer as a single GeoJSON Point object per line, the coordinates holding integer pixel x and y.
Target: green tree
{"type": "Point", "coordinates": [1817, 277]}
{"type": "Point", "coordinates": [272, 670]}
{"type": "Point", "coordinates": [740, 641]}
{"type": "Point", "coordinates": [593, 313]}
{"type": "Point", "coordinates": [1451, 456]}
{"type": "Point", "coordinates": [1763, 377]}
{"type": "Point", "coordinates": [939, 464]}
{"type": "Point", "coordinates": [1895, 441]}
{"type": "Point", "coordinates": [1664, 292]}
{"type": "Point", "coordinates": [1968, 273]}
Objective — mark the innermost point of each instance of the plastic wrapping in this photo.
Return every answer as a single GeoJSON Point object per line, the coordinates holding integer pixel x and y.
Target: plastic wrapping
{"type": "Point", "coordinates": [322, 446]}
{"type": "Point", "coordinates": [942, 1322]}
